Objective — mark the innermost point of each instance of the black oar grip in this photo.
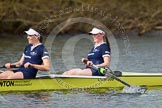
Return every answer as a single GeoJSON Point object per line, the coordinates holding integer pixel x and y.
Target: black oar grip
{"type": "Point", "coordinates": [13, 66]}
{"type": "Point", "coordinates": [3, 66]}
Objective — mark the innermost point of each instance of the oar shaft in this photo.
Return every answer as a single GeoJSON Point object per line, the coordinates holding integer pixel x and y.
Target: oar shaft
{"type": "Point", "coordinates": [113, 76]}
{"type": "Point", "coordinates": [118, 79]}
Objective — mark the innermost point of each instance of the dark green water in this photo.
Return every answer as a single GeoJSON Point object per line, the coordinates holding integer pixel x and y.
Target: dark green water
{"type": "Point", "coordinates": [141, 54]}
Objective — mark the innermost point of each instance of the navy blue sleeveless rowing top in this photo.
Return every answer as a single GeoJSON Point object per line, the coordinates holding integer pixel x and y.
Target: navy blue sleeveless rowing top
{"type": "Point", "coordinates": [34, 55]}
{"type": "Point", "coordinates": [96, 56]}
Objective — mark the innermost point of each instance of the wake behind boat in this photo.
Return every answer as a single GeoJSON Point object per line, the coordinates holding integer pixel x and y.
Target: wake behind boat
{"type": "Point", "coordinates": [67, 82]}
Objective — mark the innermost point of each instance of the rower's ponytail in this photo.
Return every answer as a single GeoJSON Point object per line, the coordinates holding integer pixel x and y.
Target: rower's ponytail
{"type": "Point", "coordinates": [107, 41]}
{"type": "Point", "coordinates": [40, 39]}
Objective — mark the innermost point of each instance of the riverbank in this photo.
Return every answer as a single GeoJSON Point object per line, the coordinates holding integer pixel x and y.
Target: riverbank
{"type": "Point", "coordinates": [141, 16]}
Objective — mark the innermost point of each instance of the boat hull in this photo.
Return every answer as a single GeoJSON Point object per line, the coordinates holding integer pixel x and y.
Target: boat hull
{"type": "Point", "coordinates": [60, 82]}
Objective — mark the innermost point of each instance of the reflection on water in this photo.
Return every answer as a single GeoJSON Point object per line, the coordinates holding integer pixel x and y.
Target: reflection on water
{"type": "Point", "coordinates": [152, 99]}
{"type": "Point", "coordinates": [142, 55]}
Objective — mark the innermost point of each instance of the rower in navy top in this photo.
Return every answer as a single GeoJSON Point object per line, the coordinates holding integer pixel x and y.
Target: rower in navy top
{"type": "Point", "coordinates": [96, 56]}
{"type": "Point", "coordinates": [34, 58]}
{"type": "Point", "coordinates": [99, 55]}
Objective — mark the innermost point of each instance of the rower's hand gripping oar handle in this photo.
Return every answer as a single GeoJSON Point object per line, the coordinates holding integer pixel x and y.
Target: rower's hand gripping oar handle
{"type": "Point", "coordinates": [100, 69]}
{"type": "Point", "coordinates": [93, 66]}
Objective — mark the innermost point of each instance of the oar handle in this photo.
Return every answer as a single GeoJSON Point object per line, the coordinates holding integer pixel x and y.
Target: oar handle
{"type": "Point", "coordinates": [100, 69]}
{"type": "Point", "coordinates": [2, 66]}
{"type": "Point", "coordinates": [92, 66]}
{"type": "Point", "coordinates": [11, 66]}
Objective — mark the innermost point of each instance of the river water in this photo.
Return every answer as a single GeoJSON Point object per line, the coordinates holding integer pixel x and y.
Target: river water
{"type": "Point", "coordinates": [129, 53]}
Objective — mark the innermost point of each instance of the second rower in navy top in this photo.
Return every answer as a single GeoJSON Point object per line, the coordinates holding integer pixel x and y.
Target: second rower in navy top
{"type": "Point", "coordinates": [99, 55]}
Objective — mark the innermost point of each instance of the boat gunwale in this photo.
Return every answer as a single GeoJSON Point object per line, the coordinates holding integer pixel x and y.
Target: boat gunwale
{"type": "Point", "coordinates": [124, 74]}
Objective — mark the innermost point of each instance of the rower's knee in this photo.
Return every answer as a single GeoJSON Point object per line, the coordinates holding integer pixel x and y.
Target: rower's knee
{"type": "Point", "coordinates": [2, 76]}
{"type": "Point", "coordinates": [68, 73]}
{"type": "Point", "coordinates": [65, 73]}
{"type": "Point", "coordinates": [73, 72]}
{"type": "Point", "coordinates": [9, 77]}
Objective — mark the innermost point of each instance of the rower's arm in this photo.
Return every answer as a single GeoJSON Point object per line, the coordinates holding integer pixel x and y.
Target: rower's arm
{"type": "Point", "coordinates": [106, 62]}
{"type": "Point", "coordinates": [16, 64]}
{"type": "Point", "coordinates": [44, 67]}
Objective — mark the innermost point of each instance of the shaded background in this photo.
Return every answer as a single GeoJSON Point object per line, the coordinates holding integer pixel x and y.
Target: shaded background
{"type": "Point", "coordinates": [18, 15]}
